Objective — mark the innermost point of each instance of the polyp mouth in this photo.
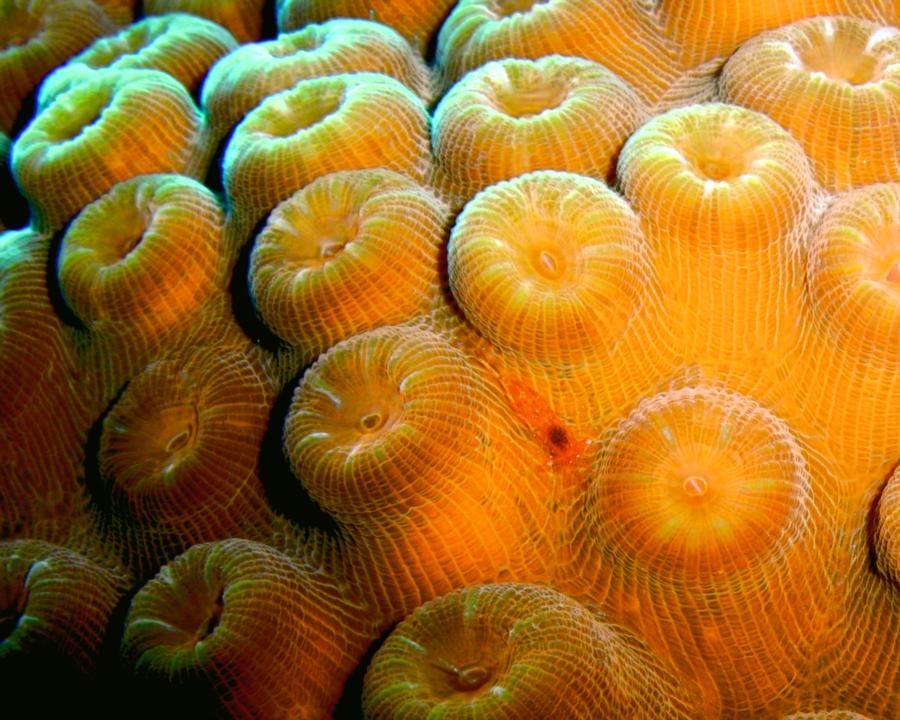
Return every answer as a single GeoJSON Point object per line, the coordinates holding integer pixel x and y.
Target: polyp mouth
{"type": "Point", "coordinates": [527, 97]}
{"type": "Point", "coordinates": [842, 56]}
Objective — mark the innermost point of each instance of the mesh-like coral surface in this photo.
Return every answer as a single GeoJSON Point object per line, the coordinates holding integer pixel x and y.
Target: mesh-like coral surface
{"type": "Point", "coordinates": [490, 359]}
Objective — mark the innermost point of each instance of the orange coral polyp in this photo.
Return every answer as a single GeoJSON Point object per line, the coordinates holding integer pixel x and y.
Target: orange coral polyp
{"type": "Point", "coordinates": [144, 257]}
{"type": "Point", "coordinates": [35, 37]}
{"type": "Point", "coordinates": [513, 116]}
{"type": "Point", "coordinates": [351, 251]}
{"type": "Point", "coordinates": [705, 503]}
{"type": "Point", "coordinates": [96, 134]}
{"type": "Point", "coordinates": [178, 453]}
{"type": "Point", "coordinates": [515, 651]}
{"type": "Point", "coordinates": [622, 36]}
{"type": "Point", "coordinates": [701, 483]}
{"type": "Point", "coordinates": [54, 602]}
{"type": "Point", "coordinates": [719, 174]}
{"type": "Point", "coordinates": [271, 638]}
{"type": "Point", "coordinates": [834, 84]}
{"type": "Point", "coordinates": [384, 421]}
{"type": "Point", "coordinates": [549, 265]}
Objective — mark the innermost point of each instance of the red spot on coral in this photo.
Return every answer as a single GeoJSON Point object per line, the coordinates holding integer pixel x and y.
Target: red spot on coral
{"type": "Point", "coordinates": [557, 441]}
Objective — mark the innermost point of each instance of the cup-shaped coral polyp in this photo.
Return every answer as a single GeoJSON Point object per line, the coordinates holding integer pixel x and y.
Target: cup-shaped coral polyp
{"type": "Point", "coordinates": [240, 82]}
{"type": "Point", "coordinates": [112, 126]}
{"type": "Point", "coordinates": [349, 252]}
{"type": "Point", "coordinates": [702, 506]}
{"type": "Point", "coordinates": [322, 125]}
{"type": "Point", "coordinates": [515, 651]}
{"type": "Point", "coordinates": [36, 36]}
{"type": "Point", "coordinates": [698, 484]}
{"type": "Point", "coordinates": [385, 421]}
{"type": "Point", "coordinates": [720, 177]}
{"type": "Point", "coordinates": [853, 274]}
{"type": "Point", "coordinates": [55, 605]}
{"type": "Point", "coordinates": [178, 455]}
{"type": "Point", "coordinates": [622, 36]}
{"type": "Point", "coordinates": [237, 619]}
{"type": "Point", "coordinates": [183, 46]}
{"type": "Point", "coordinates": [887, 529]}
{"type": "Point", "coordinates": [242, 18]}
{"type": "Point", "coordinates": [550, 265]}
{"type": "Point", "coordinates": [416, 21]}
{"type": "Point", "coordinates": [834, 84]}
{"type": "Point", "coordinates": [143, 258]}
{"type": "Point", "coordinates": [512, 116]}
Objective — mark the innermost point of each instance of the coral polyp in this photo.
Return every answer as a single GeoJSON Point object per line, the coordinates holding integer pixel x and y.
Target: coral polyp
{"type": "Point", "coordinates": [483, 652]}
{"type": "Point", "coordinates": [549, 265]}
{"type": "Point", "coordinates": [622, 36]}
{"type": "Point", "coordinates": [846, 65]}
{"type": "Point", "coordinates": [182, 46]}
{"type": "Point", "coordinates": [512, 116]}
{"type": "Point", "coordinates": [349, 252]}
{"type": "Point", "coordinates": [719, 176]}
{"type": "Point", "coordinates": [143, 257]}
{"type": "Point", "coordinates": [95, 135]}
{"type": "Point", "coordinates": [209, 619]}
{"type": "Point", "coordinates": [411, 451]}
{"type": "Point", "coordinates": [854, 272]}
{"type": "Point", "coordinates": [703, 502]}
{"type": "Point", "coordinates": [699, 484]}
{"type": "Point", "coordinates": [177, 456]}
{"type": "Point", "coordinates": [55, 606]}
{"type": "Point", "coordinates": [38, 35]}
{"type": "Point", "coordinates": [852, 313]}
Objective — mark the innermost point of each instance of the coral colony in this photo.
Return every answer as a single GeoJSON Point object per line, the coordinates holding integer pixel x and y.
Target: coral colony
{"type": "Point", "coordinates": [431, 359]}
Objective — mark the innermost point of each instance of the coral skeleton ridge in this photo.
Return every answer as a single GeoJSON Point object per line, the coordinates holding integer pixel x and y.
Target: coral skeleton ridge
{"type": "Point", "coordinates": [470, 359]}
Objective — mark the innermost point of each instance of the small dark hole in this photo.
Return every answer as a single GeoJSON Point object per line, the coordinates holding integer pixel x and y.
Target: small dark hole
{"type": "Point", "coordinates": [558, 436]}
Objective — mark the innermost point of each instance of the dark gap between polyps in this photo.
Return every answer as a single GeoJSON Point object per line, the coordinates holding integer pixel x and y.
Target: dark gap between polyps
{"type": "Point", "coordinates": [54, 290]}
{"type": "Point", "coordinates": [349, 707]}
{"type": "Point", "coordinates": [242, 303]}
{"type": "Point", "coordinates": [283, 489]}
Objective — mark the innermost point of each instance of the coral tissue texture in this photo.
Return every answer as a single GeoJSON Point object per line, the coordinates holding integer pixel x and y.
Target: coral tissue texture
{"type": "Point", "coordinates": [423, 359]}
